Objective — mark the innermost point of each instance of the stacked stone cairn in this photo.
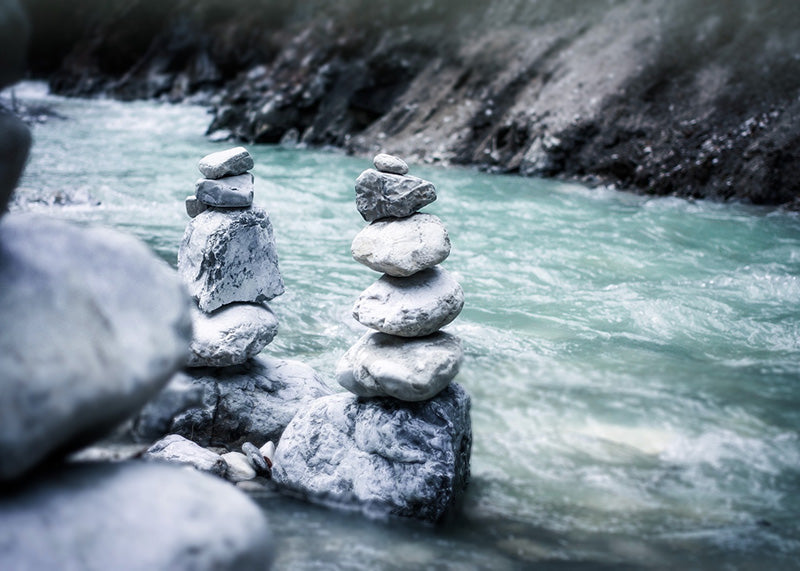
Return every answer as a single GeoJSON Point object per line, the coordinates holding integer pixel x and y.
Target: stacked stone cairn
{"type": "Point", "coordinates": [228, 396]}
{"type": "Point", "coordinates": [401, 441]}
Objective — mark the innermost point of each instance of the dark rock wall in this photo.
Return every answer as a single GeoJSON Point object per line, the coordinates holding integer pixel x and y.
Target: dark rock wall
{"type": "Point", "coordinates": [686, 97]}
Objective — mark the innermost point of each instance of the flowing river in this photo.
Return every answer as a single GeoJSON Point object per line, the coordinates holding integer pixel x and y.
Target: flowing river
{"type": "Point", "coordinates": [634, 362]}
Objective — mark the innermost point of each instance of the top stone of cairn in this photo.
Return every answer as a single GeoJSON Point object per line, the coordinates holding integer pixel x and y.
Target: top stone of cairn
{"type": "Point", "coordinates": [390, 164]}
{"type": "Point", "coordinates": [231, 162]}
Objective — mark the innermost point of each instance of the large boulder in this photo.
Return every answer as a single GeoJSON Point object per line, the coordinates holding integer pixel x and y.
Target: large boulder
{"type": "Point", "coordinates": [380, 194]}
{"type": "Point", "coordinates": [93, 326]}
{"type": "Point", "coordinates": [131, 515]}
{"type": "Point", "coordinates": [249, 402]}
{"type": "Point", "coordinates": [410, 307]}
{"type": "Point", "coordinates": [402, 247]}
{"type": "Point", "coordinates": [228, 256]}
{"type": "Point", "coordinates": [381, 456]}
{"type": "Point", "coordinates": [231, 334]}
{"type": "Point", "coordinates": [410, 369]}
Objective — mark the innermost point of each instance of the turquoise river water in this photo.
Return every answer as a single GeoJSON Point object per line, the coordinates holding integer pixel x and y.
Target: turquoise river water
{"type": "Point", "coordinates": [634, 363]}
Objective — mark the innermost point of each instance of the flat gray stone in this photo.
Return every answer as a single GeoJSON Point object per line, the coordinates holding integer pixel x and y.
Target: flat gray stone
{"type": "Point", "coordinates": [231, 334]}
{"type": "Point", "coordinates": [404, 246]}
{"type": "Point", "coordinates": [380, 195]}
{"type": "Point", "coordinates": [410, 307]}
{"type": "Point", "coordinates": [380, 456]}
{"type": "Point", "coordinates": [228, 256]}
{"type": "Point", "coordinates": [231, 162]}
{"type": "Point", "coordinates": [228, 192]}
{"type": "Point", "coordinates": [390, 164]}
{"type": "Point", "coordinates": [132, 515]}
{"type": "Point", "coordinates": [252, 402]}
{"type": "Point", "coordinates": [93, 326]}
{"type": "Point", "coordinates": [414, 369]}
{"type": "Point", "coordinates": [178, 450]}
{"type": "Point", "coordinates": [194, 206]}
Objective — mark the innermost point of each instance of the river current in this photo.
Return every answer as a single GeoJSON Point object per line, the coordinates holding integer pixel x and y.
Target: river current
{"type": "Point", "coordinates": [633, 362]}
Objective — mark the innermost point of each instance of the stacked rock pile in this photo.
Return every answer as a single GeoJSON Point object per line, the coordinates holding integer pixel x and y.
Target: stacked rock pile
{"type": "Point", "coordinates": [228, 396]}
{"type": "Point", "coordinates": [407, 451]}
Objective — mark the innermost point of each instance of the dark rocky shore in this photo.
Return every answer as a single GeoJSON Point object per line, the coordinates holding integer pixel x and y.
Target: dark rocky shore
{"type": "Point", "coordinates": [667, 97]}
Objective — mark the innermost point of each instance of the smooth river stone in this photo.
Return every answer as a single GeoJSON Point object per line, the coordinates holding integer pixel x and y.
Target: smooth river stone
{"type": "Point", "coordinates": [379, 195]}
{"type": "Point", "coordinates": [231, 162]}
{"type": "Point", "coordinates": [194, 206]}
{"type": "Point", "coordinates": [178, 450]}
{"type": "Point", "coordinates": [228, 256]}
{"type": "Point", "coordinates": [93, 326]}
{"type": "Point", "coordinates": [239, 467]}
{"type": "Point", "coordinates": [231, 334]}
{"type": "Point", "coordinates": [131, 515]}
{"type": "Point", "coordinates": [417, 369]}
{"type": "Point", "coordinates": [381, 456]}
{"type": "Point", "coordinates": [402, 247]}
{"type": "Point", "coordinates": [228, 192]}
{"type": "Point", "coordinates": [251, 402]}
{"type": "Point", "coordinates": [410, 307]}
{"type": "Point", "coordinates": [390, 164]}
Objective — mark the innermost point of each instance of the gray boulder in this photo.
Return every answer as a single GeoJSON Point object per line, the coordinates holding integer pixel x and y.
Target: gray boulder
{"type": "Point", "coordinates": [410, 307]}
{"type": "Point", "coordinates": [231, 334]}
{"type": "Point", "coordinates": [249, 402]}
{"type": "Point", "coordinates": [93, 326]}
{"type": "Point", "coordinates": [228, 192]}
{"type": "Point", "coordinates": [415, 369]}
{"type": "Point", "coordinates": [228, 256]}
{"type": "Point", "coordinates": [390, 164]}
{"type": "Point", "coordinates": [380, 194]}
{"type": "Point", "coordinates": [178, 450]}
{"type": "Point", "coordinates": [132, 515]}
{"type": "Point", "coordinates": [380, 456]}
{"type": "Point", "coordinates": [231, 162]}
{"type": "Point", "coordinates": [402, 247]}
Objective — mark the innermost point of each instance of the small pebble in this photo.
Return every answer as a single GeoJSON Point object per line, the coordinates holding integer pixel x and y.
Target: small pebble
{"type": "Point", "coordinates": [194, 206]}
{"type": "Point", "coordinates": [390, 164]}
{"type": "Point", "coordinates": [268, 451]}
{"type": "Point", "coordinates": [256, 459]}
{"type": "Point", "coordinates": [239, 468]}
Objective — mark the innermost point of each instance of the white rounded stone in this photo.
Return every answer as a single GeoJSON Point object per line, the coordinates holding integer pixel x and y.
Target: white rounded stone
{"type": "Point", "coordinates": [390, 164]}
{"type": "Point", "coordinates": [239, 468]}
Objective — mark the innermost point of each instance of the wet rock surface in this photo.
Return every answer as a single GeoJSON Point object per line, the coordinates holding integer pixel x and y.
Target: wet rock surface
{"type": "Point", "coordinates": [93, 326]}
{"type": "Point", "coordinates": [132, 515]}
{"type": "Point", "coordinates": [249, 402]}
{"type": "Point", "coordinates": [379, 456]}
{"type": "Point", "coordinates": [695, 99]}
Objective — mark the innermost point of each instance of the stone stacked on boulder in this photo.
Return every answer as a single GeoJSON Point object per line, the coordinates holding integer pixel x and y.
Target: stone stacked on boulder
{"type": "Point", "coordinates": [400, 443]}
{"type": "Point", "coordinates": [228, 395]}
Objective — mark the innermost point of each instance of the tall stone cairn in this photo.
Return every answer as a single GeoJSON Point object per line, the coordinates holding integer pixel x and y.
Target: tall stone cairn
{"type": "Point", "coordinates": [401, 442]}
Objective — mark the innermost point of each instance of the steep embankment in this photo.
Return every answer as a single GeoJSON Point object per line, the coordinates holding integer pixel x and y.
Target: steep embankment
{"type": "Point", "coordinates": [666, 97]}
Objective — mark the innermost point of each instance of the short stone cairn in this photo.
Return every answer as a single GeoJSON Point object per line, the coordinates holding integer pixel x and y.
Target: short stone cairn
{"type": "Point", "coordinates": [400, 443]}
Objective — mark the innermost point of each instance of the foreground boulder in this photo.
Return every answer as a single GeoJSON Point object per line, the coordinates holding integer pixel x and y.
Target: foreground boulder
{"type": "Point", "coordinates": [380, 456]}
{"type": "Point", "coordinates": [93, 325]}
{"type": "Point", "coordinates": [228, 256]}
{"type": "Point", "coordinates": [131, 516]}
{"type": "Point", "coordinates": [249, 402]}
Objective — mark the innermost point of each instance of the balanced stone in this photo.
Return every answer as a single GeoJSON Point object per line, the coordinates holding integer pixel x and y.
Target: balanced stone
{"type": "Point", "coordinates": [228, 192]}
{"type": "Point", "coordinates": [178, 450]}
{"type": "Point", "coordinates": [382, 455]}
{"type": "Point", "coordinates": [228, 256]}
{"type": "Point", "coordinates": [402, 247]}
{"type": "Point", "coordinates": [390, 164]}
{"type": "Point", "coordinates": [93, 325]}
{"type": "Point", "coordinates": [231, 162]}
{"type": "Point", "coordinates": [380, 194]}
{"type": "Point", "coordinates": [194, 206]}
{"type": "Point", "coordinates": [239, 468]}
{"type": "Point", "coordinates": [407, 369]}
{"type": "Point", "coordinates": [132, 515]}
{"type": "Point", "coordinates": [255, 458]}
{"type": "Point", "coordinates": [410, 307]}
{"type": "Point", "coordinates": [251, 402]}
{"type": "Point", "coordinates": [231, 334]}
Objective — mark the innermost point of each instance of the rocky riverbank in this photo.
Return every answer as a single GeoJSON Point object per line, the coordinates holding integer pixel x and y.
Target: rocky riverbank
{"type": "Point", "coordinates": [669, 98]}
